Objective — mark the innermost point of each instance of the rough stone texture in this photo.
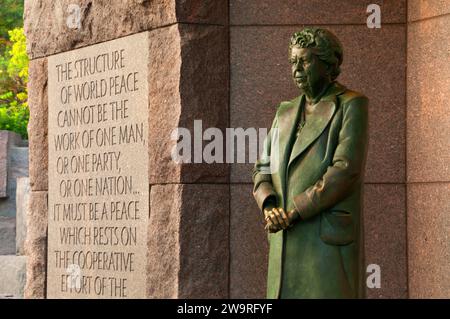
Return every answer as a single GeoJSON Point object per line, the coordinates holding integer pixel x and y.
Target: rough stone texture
{"type": "Point", "coordinates": [13, 275]}
{"type": "Point", "coordinates": [248, 246]}
{"type": "Point", "coordinates": [37, 126]}
{"type": "Point", "coordinates": [3, 163]}
{"type": "Point", "coordinates": [163, 241]}
{"type": "Point", "coordinates": [422, 9]}
{"type": "Point", "coordinates": [7, 235]}
{"type": "Point", "coordinates": [188, 242]}
{"type": "Point", "coordinates": [101, 21]}
{"type": "Point", "coordinates": [36, 246]}
{"type": "Point", "coordinates": [164, 100]}
{"type": "Point", "coordinates": [188, 81]}
{"type": "Point", "coordinates": [429, 240]}
{"type": "Point", "coordinates": [385, 238]}
{"type": "Point", "coordinates": [250, 12]}
{"type": "Point", "coordinates": [428, 142]}
{"type": "Point", "coordinates": [261, 79]}
{"type": "Point", "coordinates": [202, 11]}
{"type": "Point", "coordinates": [22, 202]}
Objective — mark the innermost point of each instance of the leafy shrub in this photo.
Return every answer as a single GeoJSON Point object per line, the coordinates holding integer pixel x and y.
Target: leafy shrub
{"type": "Point", "coordinates": [14, 112]}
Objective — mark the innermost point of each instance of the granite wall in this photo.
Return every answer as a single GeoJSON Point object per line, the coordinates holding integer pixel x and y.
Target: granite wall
{"type": "Point", "coordinates": [428, 148]}
{"type": "Point", "coordinates": [222, 61]}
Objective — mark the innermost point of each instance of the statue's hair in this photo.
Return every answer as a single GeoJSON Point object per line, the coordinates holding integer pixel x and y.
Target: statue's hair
{"type": "Point", "coordinates": [325, 44]}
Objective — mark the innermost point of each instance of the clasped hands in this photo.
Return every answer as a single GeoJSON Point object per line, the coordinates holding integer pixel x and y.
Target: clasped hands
{"type": "Point", "coordinates": [277, 219]}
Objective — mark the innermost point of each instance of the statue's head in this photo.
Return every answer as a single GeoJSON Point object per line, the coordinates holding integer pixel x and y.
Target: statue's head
{"type": "Point", "coordinates": [316, 56]}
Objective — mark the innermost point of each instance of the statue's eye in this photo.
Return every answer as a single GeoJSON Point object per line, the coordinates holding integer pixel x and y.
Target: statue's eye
{"type": "Point", "coordinates": [292, 61]}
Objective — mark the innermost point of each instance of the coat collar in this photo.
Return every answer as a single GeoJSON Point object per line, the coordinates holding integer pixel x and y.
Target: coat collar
{"type": "Point", "coordinates": [315, 125]}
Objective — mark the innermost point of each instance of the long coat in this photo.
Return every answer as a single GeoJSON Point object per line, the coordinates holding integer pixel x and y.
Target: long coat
{"type": "Point", "coordinates": [320, 174]}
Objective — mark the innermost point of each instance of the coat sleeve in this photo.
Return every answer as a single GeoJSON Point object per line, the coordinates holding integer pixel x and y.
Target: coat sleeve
{"type": "Point", "coordinates": [262, 179]}
{"type": "Point", "coordinates": [347, 165]}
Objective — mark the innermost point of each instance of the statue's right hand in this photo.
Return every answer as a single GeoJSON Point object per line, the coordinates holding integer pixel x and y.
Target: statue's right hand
{"type": "Point", "coordinates": [276, 219]}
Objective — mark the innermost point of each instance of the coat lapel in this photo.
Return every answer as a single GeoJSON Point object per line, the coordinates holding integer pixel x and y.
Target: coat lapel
{"type": "Point", "coordinates": [317, 121]}
{"type": "Point", "coordinates": [287, 126]}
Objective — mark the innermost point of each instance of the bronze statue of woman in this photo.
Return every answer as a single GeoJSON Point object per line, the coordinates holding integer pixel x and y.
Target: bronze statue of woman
{"type": "Point", "coordinates": [309, 179]}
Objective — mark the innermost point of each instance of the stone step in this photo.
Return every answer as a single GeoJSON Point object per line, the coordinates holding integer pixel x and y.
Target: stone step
{"type": "Point", "coordinates": [13, 276]}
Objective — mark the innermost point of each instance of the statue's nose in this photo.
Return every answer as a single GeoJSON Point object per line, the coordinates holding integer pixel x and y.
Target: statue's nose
{"type": "Point", "coordinates": [298, 67]}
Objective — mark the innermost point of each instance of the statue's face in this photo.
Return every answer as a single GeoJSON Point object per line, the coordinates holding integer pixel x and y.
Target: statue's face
{"type": "Point", "coordinates": [308, 71]}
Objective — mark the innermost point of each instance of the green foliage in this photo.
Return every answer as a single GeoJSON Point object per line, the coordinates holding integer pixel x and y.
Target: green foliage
{"type": "Point", "coordinates": [14, 112]}
{"type": "Point", "coordinates": [14, 117]}
{"type": "Point", "coordinates": [10, 16]}
{"type": "Point", "coordinates": [18, 63]}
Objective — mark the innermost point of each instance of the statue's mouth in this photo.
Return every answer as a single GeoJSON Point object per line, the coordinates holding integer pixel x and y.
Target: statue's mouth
{"type": "Point", "coordinates": [300, 79]}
